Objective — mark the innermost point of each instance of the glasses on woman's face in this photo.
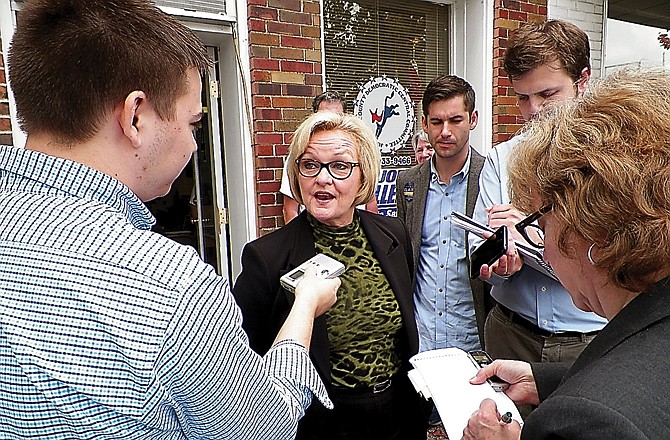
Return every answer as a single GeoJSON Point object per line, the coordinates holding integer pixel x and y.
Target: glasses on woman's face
{"type": "Point", "coordinates": [338, 169]}
{"type": "Point", "coordinates": [530, 231]}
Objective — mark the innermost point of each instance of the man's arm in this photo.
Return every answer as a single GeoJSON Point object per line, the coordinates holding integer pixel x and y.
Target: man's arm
{"type": "Point", "coordinates": [219, 386]}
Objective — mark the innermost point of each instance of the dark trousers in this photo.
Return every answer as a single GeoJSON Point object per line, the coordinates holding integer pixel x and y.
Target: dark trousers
{"type": "Point", "coordinates": [398, 413]}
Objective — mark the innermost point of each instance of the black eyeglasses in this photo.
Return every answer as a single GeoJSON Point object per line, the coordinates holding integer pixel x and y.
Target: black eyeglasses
{"type": "Point", "coordinates": [338, 169]}
{"type": "Point", "coordinates": [534, 236]}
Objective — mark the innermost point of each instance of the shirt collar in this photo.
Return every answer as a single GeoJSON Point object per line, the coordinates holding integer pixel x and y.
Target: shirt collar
{"type": "Point", "coordinates": [77, 180]}
{"type": "Point", "coordinates": [459, 177]}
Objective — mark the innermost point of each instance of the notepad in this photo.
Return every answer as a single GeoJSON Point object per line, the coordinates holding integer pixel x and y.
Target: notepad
{"type": "Point", "coordinates": [444, 375]}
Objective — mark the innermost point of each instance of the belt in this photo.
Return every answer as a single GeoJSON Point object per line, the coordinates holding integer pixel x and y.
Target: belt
{"type": "Point", "coordinates": [377, 388]}
{"type": "Point", "coordinates": [532, 328]}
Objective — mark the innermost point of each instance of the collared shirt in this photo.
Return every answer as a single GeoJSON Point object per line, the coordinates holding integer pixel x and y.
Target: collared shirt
{"type": "Point", "coordinates": [536, 297]}
{"type": "Point", "coordinates": [109, 331]}
{"type": "Point", "coordinates": [443, 300]}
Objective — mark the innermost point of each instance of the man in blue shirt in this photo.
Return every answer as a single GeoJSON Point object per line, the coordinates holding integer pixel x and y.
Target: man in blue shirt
{"type": "Point", "coordinates": [450, 312]}
{"type": "Point", "coordinates": [108, 330]}
{"type": "Point", "coordinates": [534, 319]}
{"type": "Point", "coordinates": [427, 194]}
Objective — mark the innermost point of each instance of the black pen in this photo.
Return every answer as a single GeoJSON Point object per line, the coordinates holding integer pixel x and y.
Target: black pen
{"type": "Point", "coordinates": [507, 417]}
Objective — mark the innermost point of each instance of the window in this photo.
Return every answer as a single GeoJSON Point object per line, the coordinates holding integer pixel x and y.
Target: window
{"type": "Point", "coordinates": [404, 39]}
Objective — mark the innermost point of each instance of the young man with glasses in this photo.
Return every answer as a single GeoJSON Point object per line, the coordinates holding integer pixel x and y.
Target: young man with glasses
{"type": "Point", "coordinates": [534, 319]}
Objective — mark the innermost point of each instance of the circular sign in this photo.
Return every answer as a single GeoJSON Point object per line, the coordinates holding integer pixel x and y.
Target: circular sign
{"type": "Point", "coordinates": [384, 104]}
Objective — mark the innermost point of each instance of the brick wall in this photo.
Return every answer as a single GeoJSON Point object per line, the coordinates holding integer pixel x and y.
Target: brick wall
{"type": "Point", "coordinates": [285, 50]}
{"type": "Point", "coordinates": [5, 124]}
{"type": "Point", "coordinates": [508, 14]}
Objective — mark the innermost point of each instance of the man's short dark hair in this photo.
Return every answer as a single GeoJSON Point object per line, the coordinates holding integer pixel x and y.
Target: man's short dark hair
{"type": "Point", "coordinates": [447, 87]}
{"type": "Point", "coordinates": [535, 44]}
{"type": "Point", "coordinates": [328, 97]}
{"type": "Point", "coordinates": [72, 61]}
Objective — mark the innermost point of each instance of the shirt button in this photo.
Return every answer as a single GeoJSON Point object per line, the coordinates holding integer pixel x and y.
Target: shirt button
{"type": "Point", "coordinates": [544, 321]}
{"type": "Point", "coordinates": [444, 241]}
{"type": "Point", "coordinates": [441, 266]}
{"type": "Point", "coordinates": [446, 217]}
{"type": "Point", "coordinates": [439, 290]}
{"type": "Point", "coordinates": [544, 289]}
{"type": "Point", "coordinates": [439, 313]}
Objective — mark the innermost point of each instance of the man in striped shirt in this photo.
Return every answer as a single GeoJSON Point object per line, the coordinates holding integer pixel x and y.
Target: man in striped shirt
{"type": "Point", "coordinates": [108, 330]}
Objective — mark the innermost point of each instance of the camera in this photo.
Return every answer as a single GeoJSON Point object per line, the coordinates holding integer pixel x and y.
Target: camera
{"type": "Point", "coordinates": [326, 267]}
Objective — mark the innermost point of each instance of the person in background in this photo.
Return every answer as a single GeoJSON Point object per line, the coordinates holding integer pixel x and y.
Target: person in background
{"type": "Point", "coordinates": [534, 319]}
{"type": "Point", "coordinates": [422, 148]}
{"type": "Point", "coordinates": [327, 101]}
{"type": "Point", "coordinates": [599, 191]}
{"type": "Point", "coordinates": [450, 311]}
{"type": "Point", "coordinates": [107, 329]}
{"type": "Point", "coordinates": [360, 347]}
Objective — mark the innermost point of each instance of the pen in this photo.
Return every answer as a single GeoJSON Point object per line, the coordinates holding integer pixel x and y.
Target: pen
{"type": "Point", "coordinates": [506, 418]}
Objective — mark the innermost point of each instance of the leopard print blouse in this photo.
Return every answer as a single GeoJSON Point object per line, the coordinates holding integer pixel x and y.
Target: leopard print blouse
{"type": "Point", "coordinates": [365, 323]}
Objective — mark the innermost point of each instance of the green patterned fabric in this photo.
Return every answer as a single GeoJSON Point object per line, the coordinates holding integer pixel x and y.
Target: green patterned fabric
{"type": "Point", "coordinates": [364, 324]}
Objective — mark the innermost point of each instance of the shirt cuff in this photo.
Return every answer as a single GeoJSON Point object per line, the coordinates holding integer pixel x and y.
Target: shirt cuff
{"type": "Point", "coordinates": [290, 359]}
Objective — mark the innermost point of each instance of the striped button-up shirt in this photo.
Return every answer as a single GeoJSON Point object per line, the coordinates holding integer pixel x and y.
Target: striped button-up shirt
{"type": "Point", "coordinates": [109, 331]}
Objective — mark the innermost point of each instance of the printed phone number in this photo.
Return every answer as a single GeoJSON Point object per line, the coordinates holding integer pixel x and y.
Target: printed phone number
{"type": "Point", "coordinates": [396, 161]}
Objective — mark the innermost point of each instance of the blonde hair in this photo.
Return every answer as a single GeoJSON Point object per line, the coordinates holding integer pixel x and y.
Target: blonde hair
{"type": "Point", "coordinates": [367, 150]}
{"type": "Point", "coordinates": [603, 163]}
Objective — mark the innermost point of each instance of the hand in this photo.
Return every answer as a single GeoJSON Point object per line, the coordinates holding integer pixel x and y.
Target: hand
{"type": "Point", "coordinates": [511, 262]}
{"type": "Point", "coordinates": [317, 293]}
{"type": "Point", "coordinates": [519, 376]}
{"type": "Point", "coordinates": [485, 424]}
{"type": "Point", "coordinates": [508, 215]}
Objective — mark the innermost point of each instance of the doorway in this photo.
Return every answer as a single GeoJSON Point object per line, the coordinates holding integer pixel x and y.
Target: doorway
{"type": "Point", "coordinates": [194, 211]}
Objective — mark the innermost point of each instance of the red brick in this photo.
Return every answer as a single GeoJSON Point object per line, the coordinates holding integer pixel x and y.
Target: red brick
{"type": "Point", "coordinates": [261, 76]}
{"type": "Point", "coordinates": [267, 199]}
{"type": "Point", "coordinates": [297, 66]}
{"type": "Point", "coordinates": [264, 150]}
{"type": "Point", "coordinates": [261, 101]}
{"type": "Point", "coordinates": [278, 27]}
{"type": "Point", "coordinates": [295, 17]}
{"type": "Point", "coordinates": [293, 5]}
{"type": "Point", "coordinates": [257, 25]}
{"type": "Point", "coordinates": [266, 89]}
{"type": "Point", "coordinates": [300, 42]}
{"type": "Point", "coordinates": [269, 138]}
{"type": "Point", "coordinates": [300, 90]}
{"type": "Point", "coordinates": [264, 64]}
{"type": "Point", "coordinates": [267, 187]}
{"type": "Point", "coordinates": [267, 114]}
{"type": "Point", "coordinates": [264, 13]}
{"type": "Point", "coordinates": [270, 162]}
{"type": "Point", "coordinates": [288, 102]}
{"type": "Point", "coordinates": [269, 210]}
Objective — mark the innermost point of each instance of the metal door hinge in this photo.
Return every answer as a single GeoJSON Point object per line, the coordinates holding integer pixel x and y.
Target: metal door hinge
{"type": "Point", "coordinates": [214, 89]}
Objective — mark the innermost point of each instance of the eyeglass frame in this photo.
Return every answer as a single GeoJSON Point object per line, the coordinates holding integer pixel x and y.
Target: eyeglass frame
{"type": "Point", "coordinates": [528, 221]}
{"type": "Point", "coordinates": [326, 165]}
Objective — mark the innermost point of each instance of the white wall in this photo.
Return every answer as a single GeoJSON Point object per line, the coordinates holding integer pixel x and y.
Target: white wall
{"type": "Point", "coordinates": [589, 15]}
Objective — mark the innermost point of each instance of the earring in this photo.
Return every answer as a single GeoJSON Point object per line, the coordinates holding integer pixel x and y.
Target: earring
{"type": "Point", "coordinates": [588, 254]}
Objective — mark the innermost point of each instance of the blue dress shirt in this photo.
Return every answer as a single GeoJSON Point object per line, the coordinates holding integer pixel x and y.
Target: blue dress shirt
{"type": "Point", "coordinates": [110, 331]}
{"type": "Point", "coordinates": [445, 311]}
{"type": "Point", "coordinates": [536, 297]}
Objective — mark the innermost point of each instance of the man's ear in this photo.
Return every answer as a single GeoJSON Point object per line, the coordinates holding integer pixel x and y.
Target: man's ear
{"type": "Point", "coordinates": [583, 82]}
{"type": "Point", "coordinates": [424, 123]}
{"type": "Point", "coordinates": [474, 118]}
{"type": "Point", "coordinates": [132, 115]}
